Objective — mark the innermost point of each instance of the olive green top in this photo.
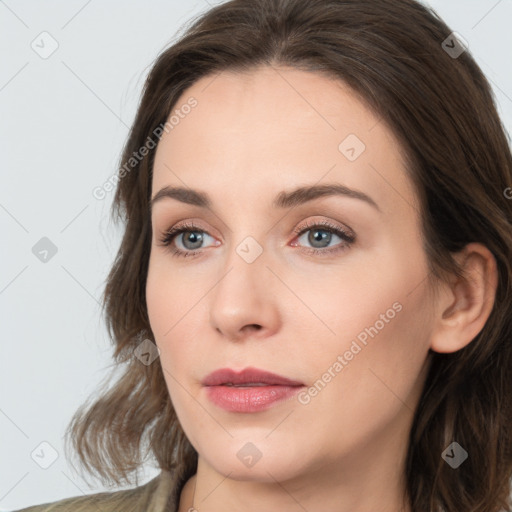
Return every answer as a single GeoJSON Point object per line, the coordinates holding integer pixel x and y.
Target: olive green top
{"type": "Point", "coordinates": [161, 494]}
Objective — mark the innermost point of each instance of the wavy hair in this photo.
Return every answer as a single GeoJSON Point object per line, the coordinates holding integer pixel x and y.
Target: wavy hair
{"type": "Point", "coordinates": [394, 54]}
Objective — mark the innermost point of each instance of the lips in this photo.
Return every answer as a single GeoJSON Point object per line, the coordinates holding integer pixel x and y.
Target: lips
{"type": "Point", "coordinates": [248, 377]}
{"type": "Point", "coordinates": [248, 391]}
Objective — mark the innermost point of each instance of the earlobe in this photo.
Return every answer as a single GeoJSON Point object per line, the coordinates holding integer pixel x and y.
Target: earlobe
{"type": "Point", "coordinates": [465, 304]}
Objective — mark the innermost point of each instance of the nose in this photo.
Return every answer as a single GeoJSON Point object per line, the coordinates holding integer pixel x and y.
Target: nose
{"type": "Point", "coordinates": [244, 303]}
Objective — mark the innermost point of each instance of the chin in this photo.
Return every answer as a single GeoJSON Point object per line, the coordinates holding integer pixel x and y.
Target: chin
{"type": "Point", "coordinates": [257, 462]}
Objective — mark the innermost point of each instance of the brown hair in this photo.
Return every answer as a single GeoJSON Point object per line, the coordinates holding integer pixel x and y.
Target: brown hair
{"type": "Point", "coordinates": [441, 108]}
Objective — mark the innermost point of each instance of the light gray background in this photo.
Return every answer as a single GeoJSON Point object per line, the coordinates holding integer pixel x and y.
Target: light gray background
{"type": "Point", "coordinates": [63, 121]}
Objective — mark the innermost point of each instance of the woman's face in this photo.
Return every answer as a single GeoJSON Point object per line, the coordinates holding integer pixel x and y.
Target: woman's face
{"type": "Point", "coordinates": [326, 290]}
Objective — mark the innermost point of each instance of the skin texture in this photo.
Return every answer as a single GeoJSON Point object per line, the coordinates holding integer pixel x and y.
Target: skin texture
{"type": "Point", "coordinates": [291, 312]}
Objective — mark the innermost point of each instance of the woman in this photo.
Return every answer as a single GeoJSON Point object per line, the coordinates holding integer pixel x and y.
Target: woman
{"type": "Point", "coordinates": [312, 298]}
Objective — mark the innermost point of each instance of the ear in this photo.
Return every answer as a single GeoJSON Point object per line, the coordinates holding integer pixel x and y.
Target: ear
{"type": "Point", "coordinates": [464, 305]}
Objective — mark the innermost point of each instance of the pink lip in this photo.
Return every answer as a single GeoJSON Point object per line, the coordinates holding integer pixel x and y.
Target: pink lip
{"type": "Point", "coordinates": [244, 397]}
{"type": "Point", "coordinates": [248, 375]}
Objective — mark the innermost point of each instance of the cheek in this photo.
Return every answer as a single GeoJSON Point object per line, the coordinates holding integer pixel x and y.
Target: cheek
{"type": "Point", "coordinates": [338, 304]}
{"type": "Point", "coordinates": [167, 297]}
{"type": "Point", "coordinates": [383, 350]}
{"type": "Point", "coordinates": [158, 298]}
{"type": "Point", "coordinates": [166, 307]}
{"type": "Point", "coordinates": [173, 307]}
{"type": "Point", "coordinates": [360, 388]}
{"type": "Point", "coordinates": [376, 319]}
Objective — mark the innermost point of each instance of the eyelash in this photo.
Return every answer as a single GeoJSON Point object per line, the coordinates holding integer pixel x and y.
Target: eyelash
{"type": "Point", "coordinates": [348, 238]}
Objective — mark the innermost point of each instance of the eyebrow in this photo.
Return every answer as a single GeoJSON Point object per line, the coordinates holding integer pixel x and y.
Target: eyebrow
{"type": "Point", "coordinates": [282, 200]}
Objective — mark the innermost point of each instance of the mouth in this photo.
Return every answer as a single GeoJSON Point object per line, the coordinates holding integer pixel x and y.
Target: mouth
{"type": "Point", "coordinates": [249, 377]}
{"type": "Point", "coordinates": [250, 390]}
{"type": "Point", "coordinates": [248, 385]}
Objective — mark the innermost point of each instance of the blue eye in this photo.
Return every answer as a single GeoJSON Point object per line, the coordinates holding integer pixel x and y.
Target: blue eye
{"type": "Point", "coordinates": [321, 233]}
{"type": "Point", "coordinates": [184, 229]}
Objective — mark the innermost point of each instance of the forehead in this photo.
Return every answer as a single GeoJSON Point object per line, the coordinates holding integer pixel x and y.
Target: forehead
{"type": "Point", "coordinates": [273, 128]}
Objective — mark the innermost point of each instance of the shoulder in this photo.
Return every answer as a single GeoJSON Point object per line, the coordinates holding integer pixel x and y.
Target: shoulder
{"type": "Point", "coordinates": [149, 497]}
